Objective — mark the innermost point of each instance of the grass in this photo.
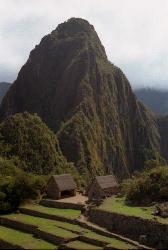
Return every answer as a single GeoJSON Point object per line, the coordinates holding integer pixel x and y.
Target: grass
{"type": "Point", "coordinates": [70, 226]}
{"type": "Point", "coordinates": [116, 243]}
{"type": "Point", "coordinates": [117, 205]}
{"type": "Point", "coordinates": [53, 227]}
{"type": "Point", "coordinates": [67, 213]}
{"type": "Point", "coordinates": [25, 240]}
{"type": "Point", "coordinates": [63, 229]}
{"type": "Point", "coordinates": [82, 245]}
{"type": "Point", "coordinates": [47, 225]}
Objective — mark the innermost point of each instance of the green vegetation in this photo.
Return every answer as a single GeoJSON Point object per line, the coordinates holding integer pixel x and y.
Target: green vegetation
{"type": "Point", "coordinates": [26, 137]}
{"type": "Point", "coordinates": [25, 240]}
{"type": "Point", "coordinates": [67, 213]}
{"type": "Point", "coordinates": [140, 192]}
{"type": "Point", "coordinates": [47, 225]}
{"type": "Point", "coordinates": [16, 186]}
{"type": "Point", "coordinates": [78, 140]}
{"type": "Point", "coordinates": [63, 229]}
{"type": "Point", "coordinates": [146, 187]}
{"type": "Point", "coordinates": [118, 205]}
{"type": "Point", "coordinates": [116, 243]}
{"type": "Point", "coordinates": [69, 226]}
{"type": "Point", "coordinates": [82, 245]}
{"type": "Point", "coordinates": [42, 222]}
{"type": "Point", "coordinates": [28, 146]}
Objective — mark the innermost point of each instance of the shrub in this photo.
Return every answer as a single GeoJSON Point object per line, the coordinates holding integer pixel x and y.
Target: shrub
{"type": "Point", "coordinates": [149, 186]}
{"type": "Point", "coordinates": [16, 186]}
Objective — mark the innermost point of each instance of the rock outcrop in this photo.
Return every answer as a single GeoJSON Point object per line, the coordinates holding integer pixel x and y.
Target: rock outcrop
{"type": "Point", "coordinates": [4, 86]}
{"type": "Point", "coordinates": [86, 100]}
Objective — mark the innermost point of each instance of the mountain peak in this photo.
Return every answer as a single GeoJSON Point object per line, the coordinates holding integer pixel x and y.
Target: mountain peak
{"type": "Point", "coordinates": [74, 26]}
{"type": "Point", "coordinates": [86, 100]}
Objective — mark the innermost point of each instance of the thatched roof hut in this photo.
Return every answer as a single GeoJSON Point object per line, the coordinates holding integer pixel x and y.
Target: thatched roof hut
{"type": "Point", "coordinates": [60, 186]}
{"type": "Point", "coordinates": [102, 187]}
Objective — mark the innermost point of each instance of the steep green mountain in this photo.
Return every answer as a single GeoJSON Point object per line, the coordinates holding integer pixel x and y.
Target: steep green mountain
{"type": "Point", "coordinates": [35, 147]}
{"type": "Point", "coordinates": [85, 99]}
{"type": "Point", "coordinates": [156, 100]}
{"type": "Point", "coordinates": [4, 86]}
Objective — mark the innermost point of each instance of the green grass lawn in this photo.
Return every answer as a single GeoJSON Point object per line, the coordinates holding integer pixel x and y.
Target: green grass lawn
{"type": "Point", "coordinates": [82, 245]}
{"type": "Point", "coordinates": [116, 243]}
{"type": "Point", "coordinates": [25, 240]}
{"type": "Point", "coordinates": [117, 205]}
{"type": "Point", "coordinates": [67, 213]}
{"type": "Point", "coordinates": [47, 225]}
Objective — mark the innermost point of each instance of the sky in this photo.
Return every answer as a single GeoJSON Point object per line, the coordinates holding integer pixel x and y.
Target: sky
{"type": "Point", "coordinates": [133, 32]}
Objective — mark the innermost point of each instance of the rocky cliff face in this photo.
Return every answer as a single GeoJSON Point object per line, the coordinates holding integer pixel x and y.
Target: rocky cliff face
{"type": "Point", "coordinates": [86, 100]}
{"type": "Point", "coordinates": [4, 86]}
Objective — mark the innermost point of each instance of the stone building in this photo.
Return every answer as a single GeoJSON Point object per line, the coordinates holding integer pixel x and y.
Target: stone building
{"type": "Point", "coordinates": [60, 186]}
{"type": "Point", "coordinates": [102, 187]}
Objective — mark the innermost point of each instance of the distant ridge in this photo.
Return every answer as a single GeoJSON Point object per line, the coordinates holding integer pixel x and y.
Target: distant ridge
{"type": "Point", "coordinates": [155, 99]}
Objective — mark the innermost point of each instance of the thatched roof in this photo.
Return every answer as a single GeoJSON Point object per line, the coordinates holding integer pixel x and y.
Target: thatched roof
{"type": "Point", "coordinates": [64, 182]}
{"type": "Point", "coordinates": [107, 181]}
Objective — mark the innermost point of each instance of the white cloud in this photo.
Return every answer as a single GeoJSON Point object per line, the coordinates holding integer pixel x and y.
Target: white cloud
{"type": "Point", "coordinates": [133, 32]}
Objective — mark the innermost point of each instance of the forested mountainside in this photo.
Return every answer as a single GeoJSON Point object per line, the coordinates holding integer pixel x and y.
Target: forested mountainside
{"type": "Point", "coordinates": [35, 147]}
{"type": "Point", "coordinates": [4, 86]}
{"type": "Point", "coordinates": [86, 100]}
{"type": "Point", "coordinates": [155, 99]}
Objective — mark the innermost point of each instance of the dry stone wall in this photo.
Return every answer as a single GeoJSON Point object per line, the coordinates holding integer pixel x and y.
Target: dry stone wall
{"type": "Point", "coordinates": [57, 204]}
{"type": "Point", "coordinates": [151, 233]}
{"type": "Point", "coordinates": [6, 245]}
{"type": "Point", "coordinates": [18, 225]}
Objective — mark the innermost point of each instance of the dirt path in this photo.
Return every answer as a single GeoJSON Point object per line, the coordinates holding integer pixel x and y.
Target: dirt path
{"type": "Point", "coordinates": [79, 198]}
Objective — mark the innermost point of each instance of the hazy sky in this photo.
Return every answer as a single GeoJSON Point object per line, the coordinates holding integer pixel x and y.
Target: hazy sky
{"type": "Point", "coordinates": [134, 33]}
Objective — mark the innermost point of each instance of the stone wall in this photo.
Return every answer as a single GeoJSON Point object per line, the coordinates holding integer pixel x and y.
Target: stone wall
{"type": "Point", "coordinates": [92, 241]}
{"type": "Point", "coordinates": [18, 225]}
{"type": "Point", "coordinates": [151, 233]}
{"type": "Point", "coordinates": [50, 237]}
{"type": "Point", "coordinates": [44, 215]}
{"type": "Point", "coordinates": [58, 204]}
{"type": "Point", "coordinates": [6, 245]}
{"type": "Point", "coordinates": [25, 227]}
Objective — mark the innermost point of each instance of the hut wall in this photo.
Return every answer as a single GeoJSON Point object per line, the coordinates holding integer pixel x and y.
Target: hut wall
{"type": "Point", "coordinates": [52, 190]}
{"type": "Point", "coordinates": [95, 192]}
{"type": "Point", "coordinates": [111, 191]}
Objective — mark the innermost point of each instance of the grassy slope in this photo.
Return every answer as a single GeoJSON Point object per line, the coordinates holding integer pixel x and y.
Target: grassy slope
{"type": "Point", "coordinates": [54, 228]}
{"type": "Point", "coordinates": [23, 239]}
{"type": "Point", "coordinates": [44, 224]}
{"type": "Point", "coordinates": [112, 241]}
{"type": "Point", "coordinates": [82, 245]}
{"type": "Point", "coordinates": [67, 213]}
{"type": "Point", "coordinates": [117, 205]}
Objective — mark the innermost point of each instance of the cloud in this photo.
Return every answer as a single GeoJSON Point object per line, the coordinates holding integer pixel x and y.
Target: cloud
{"type": "Point", "coordinates": [133, 32]}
